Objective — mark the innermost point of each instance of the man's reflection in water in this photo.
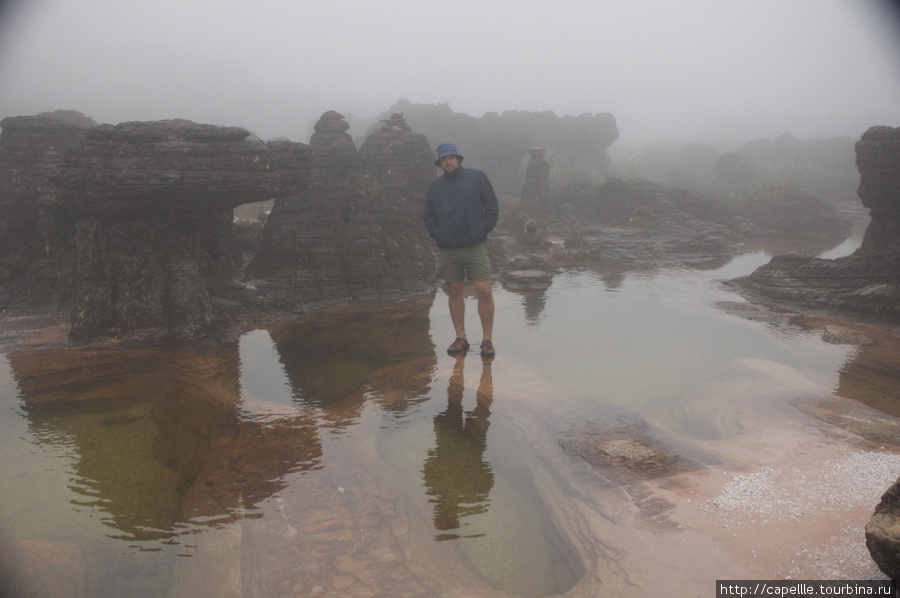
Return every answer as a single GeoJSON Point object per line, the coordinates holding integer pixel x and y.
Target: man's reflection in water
{"type": "Point", "coordinates": [456, 475]}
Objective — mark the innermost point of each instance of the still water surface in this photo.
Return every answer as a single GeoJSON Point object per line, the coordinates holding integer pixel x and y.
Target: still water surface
{"type": "Point", "coordinates": [139, 454]}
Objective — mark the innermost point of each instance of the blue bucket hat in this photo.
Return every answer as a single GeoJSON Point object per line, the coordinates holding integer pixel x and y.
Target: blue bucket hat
{"type": "Point", "coordinates": [446, 149]}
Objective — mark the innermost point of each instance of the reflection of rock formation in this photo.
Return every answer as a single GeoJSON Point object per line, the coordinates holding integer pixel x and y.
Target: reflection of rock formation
{"type": "Point", "coordinates": [239, 475]}
{"type": "Point", "coordinates": [331, 359]}
{"type": "Point", "coordinates": [156, 436]}
{"type": "Point", "coordinates": [355, 231]}
{"type": "Point", "coordinates": [529, 276]}
{"type": "Point", "coordinates": [866, 284]}
{"type": "Point", "coordinates": [456, 475]}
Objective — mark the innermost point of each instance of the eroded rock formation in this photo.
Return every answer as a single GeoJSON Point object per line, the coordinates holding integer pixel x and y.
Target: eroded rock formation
{"type": "Point", "coordinates": [355, 231]}
{"type": "Point", "coordinates": [154, 240]}
{"type": "Point", "coordinates": [866, 284]}
{"type": "Point", "coordinates": [878, 160]}
{"type": "Point", "coordinates": [130, 224]}
{"type": "Point", "coordinates": [35, 234]}
{"type": "Point", "coordinates": [133, 225]}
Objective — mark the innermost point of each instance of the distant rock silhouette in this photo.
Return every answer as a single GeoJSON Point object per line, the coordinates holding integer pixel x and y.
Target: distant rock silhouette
{"type": "Point", "coordinates": [536, 192]}
{"type": "Point", "coordinates": [500, 143]}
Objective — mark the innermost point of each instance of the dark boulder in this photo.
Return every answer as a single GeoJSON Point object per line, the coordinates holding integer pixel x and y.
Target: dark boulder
{"type": "Point", "coordinates": [883, 533]}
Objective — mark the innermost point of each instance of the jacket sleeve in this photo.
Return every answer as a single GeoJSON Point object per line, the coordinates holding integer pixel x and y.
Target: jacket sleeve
{"type": "Point", "coordinates": [429, 215]}
{"type": "Point", "coordinates": [490, 204]}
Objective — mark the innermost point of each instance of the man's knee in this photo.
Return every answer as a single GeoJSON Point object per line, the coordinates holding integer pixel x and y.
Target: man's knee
{"type": "Point", "coordinates": [483, 290]}
{"type": "Point", "coordinates": [455, 289]}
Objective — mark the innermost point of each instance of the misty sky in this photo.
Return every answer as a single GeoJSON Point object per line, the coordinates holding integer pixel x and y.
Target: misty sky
{"type": "Point", "coordinates": [715, 71]}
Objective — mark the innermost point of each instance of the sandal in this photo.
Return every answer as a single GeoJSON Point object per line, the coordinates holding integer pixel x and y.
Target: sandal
{"type": "Point", "coordinates": [460, 345]}
{"type": "Point", "coordinates": [487, 348]}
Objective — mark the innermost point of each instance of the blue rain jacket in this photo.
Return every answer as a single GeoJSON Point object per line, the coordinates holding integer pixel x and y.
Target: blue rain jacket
{"type": "Point", "coordinates": [461, 208]}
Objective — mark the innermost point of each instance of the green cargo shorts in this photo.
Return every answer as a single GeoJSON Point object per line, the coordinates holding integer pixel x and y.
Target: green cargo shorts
{"type": "Point", "coordinates": [453, 264]}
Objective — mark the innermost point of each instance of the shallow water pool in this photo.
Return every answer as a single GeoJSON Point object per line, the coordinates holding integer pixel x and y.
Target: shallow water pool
{"type": "Point", "coordinates": [352, 428]}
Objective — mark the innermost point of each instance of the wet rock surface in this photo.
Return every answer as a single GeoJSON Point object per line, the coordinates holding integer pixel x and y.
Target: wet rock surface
{"type": "Point", "coordinates": [625, 454]}
{"type": "Point", "coordinates": [640, 222]}
{"type": "Point", "coordinates": [527, 273]}
{"type": "Point", "coordinates": [865, 286]}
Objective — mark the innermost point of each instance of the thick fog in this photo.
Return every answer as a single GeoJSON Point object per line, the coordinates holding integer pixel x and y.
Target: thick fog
{"type": "Point", "coordinates": [711, 71]}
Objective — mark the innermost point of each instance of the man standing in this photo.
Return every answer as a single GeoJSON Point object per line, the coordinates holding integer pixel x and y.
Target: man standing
{"type": "Point", "coordinates": [460, 210]}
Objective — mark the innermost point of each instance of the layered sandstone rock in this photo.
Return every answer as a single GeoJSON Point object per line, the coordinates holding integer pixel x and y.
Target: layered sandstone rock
{"type": "Point", "coordinates": [866, 284]}
{"type": "Point", "coordinates": [35, 233]}
{"type": "Point", "coordinates": [154, 238]}
{"type": "Point", "coordinates": [355, 231]}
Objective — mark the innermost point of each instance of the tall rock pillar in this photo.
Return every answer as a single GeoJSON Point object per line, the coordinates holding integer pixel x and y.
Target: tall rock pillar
{"type": "Point", "coordinates": [355, 232]}
{"type": "Point", "coordinates": [878, 160]}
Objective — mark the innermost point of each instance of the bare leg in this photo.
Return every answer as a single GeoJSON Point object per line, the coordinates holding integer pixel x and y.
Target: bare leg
{"type": "Point", "coordinates": [457, 308]}
{"type": "Point", "coordinates": [485, 307]}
